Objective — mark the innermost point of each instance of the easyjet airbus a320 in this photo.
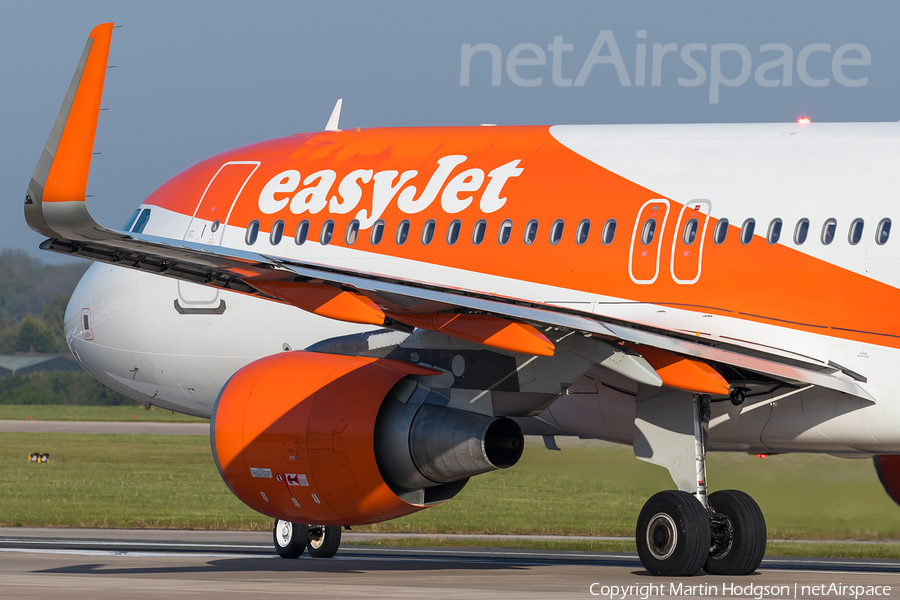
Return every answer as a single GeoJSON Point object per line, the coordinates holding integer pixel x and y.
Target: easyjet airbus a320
{"type": "Point", "coordinates": [371, 317]}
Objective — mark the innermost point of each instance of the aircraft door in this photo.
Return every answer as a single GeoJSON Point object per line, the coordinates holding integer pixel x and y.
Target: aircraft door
{"type": "Point", "coordinates": [646, 241]}
{"type": "Point", "coordinates": [687, 245]}
{"type": "Point", "coordinates": [207, 224]}
{"type": "Point", "coordinates": [219, 197]}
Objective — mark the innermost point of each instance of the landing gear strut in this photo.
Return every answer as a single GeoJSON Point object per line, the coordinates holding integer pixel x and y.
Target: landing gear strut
{"type": "Point", "coordinates": [680, 532]}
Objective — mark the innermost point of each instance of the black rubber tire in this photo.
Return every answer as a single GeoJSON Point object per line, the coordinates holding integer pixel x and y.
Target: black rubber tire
{"type": "Point", "coordinates": [324, 540]}
{"type": "Point", "coordinates": [673, 534]}
{"type": "Point", "coordinates": [748, 544]}
{"type": "Point", "coordinates": [290, 538]}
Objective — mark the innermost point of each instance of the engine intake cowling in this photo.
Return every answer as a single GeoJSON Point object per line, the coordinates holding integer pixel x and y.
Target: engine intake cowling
{"type": "Point", "coordinates": [342, 440]}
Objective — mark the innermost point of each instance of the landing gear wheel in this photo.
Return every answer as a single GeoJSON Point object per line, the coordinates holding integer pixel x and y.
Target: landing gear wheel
{"type": "Point", "coordinates": [324, 540]}
{"type": "Point", "coordinates": [290, 538]}
{"type": "Point", "coordinates": [673, 534]}
{"type": "Point", "coordinates": [738, 534]}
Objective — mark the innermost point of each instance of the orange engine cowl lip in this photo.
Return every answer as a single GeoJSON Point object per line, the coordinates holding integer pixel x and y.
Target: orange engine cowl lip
{"type": "Point", "coordinates": [292, 437]}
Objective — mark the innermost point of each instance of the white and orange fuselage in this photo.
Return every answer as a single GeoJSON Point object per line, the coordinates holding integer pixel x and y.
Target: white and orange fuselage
{"type": "Point", "coordinates": [555, 216]}
{"type": "Point", "coordinates": [363, 313]}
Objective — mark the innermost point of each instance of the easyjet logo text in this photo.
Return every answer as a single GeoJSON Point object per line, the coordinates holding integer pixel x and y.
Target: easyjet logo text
{"type": "Point", "coordinates": [313, 194]}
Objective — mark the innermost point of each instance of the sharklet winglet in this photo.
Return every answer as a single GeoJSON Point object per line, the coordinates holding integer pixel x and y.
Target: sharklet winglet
{"type": "Point", "coordinates": [55, 199]}
{"type": "Point", "coordinates": [335, 117]}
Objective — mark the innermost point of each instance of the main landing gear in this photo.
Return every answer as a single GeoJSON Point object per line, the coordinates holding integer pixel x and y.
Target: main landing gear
{"type": "Point", "coordinates": [291, 539]}
{"type": "Point", "coordinates": [680, 532]}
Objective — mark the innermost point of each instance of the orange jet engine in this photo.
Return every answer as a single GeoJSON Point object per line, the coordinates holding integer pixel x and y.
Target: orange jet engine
{"type": "Point", "coordinates": [344, 440]}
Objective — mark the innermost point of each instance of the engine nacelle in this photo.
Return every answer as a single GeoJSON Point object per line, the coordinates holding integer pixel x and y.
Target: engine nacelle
{"type": "Point", "coordinates": [342, 440]}
{"type": "Point", "coordinates": [888, 468]}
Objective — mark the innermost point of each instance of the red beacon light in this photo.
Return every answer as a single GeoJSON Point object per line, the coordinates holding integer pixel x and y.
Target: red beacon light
{"type": "Point", "coordinates": [803, 120]}
{"type": "Point", "coordinates": [761, 455]}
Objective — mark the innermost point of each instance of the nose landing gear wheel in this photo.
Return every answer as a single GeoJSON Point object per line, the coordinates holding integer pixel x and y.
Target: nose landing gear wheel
{"type": "Point", "coordinates": [290, 538]}
{"type": "Point", "coordinates": [324, 540]}
{"type": "Point", "coordinates": [738, 534]}
{"type": "Point", "coordinates": [673, 534]}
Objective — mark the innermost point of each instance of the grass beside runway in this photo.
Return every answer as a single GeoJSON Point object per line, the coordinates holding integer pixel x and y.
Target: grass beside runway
{"type": "Point", "coordinates": [156, 481]}
{"type": "Point", "coordinates": [127, 412]}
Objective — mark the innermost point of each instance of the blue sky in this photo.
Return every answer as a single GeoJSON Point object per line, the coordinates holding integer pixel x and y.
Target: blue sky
{"type": "Point", "coordinates": [195, 78]}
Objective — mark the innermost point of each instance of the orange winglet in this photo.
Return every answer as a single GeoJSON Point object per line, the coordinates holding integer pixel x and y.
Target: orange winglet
{"type": "Point", "coordinates": [324, 300]}
{"type": "Point", "coordinates": [67, 179]}
{"type": "Point", "coordinates": [683, 373]}
{"type": "Point", "coordinates": [483, 329]}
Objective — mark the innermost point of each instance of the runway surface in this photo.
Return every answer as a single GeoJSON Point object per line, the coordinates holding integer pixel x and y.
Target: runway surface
{"type": "Point", "coordinates": [104, 563]}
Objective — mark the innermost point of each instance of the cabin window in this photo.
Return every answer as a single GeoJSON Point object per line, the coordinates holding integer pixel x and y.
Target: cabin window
{"type": "Point", "coordinates": [302, 232]}
{"type": "Point", "coordinates": [131, 219]}
{"type": "Point", "coordinates": [556, 231]}
{"type": "Point", "coordinates": [478, 232]}
{"type": "Point", "coordinates": [883, 232]}
{"type": "Point", "coordinates": [648, 232]}
{"type": "Point", "coordinates": [581, 234]}
{"type": "Point", "coordinates": [828, 231]}
{"type": "Point", "coordinates": [856, 231]}
{"type": "Point", "coordinates": [142, 221]}
{"type": "Point", "coordinates": [252, 232]}
{"type": "Point", "coordinates": [505, 232]}
{"type": "Point", "coordinates": [801, 231]}
{"type": "Point", "coordinates": [747, 231]}
{"type": "Point", "coordinates": [531, 229]}
{"type": "Point", "coordinates": [720, 232]}
{"type": "Point", "coordinates": [277, 232]}
{"type": "Point", "coordinates": [774, 233]}
{"type": "Point", "coordinates": [352, 232]}
{"type": "Point", "coordinates": [609, 232]}
{"type": "Point", "coordinates": [690, 231]}
{"type": "Point", "coordinates": [377, 232]}
{"type": "Point", "coordinates": [427, 232]}
{"type": "Point", "coordinates": [326, 232]}
{"type": "Point", "coordinates": [453, 232]}
{"type": "Point", "coordinates": [402, 232]}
